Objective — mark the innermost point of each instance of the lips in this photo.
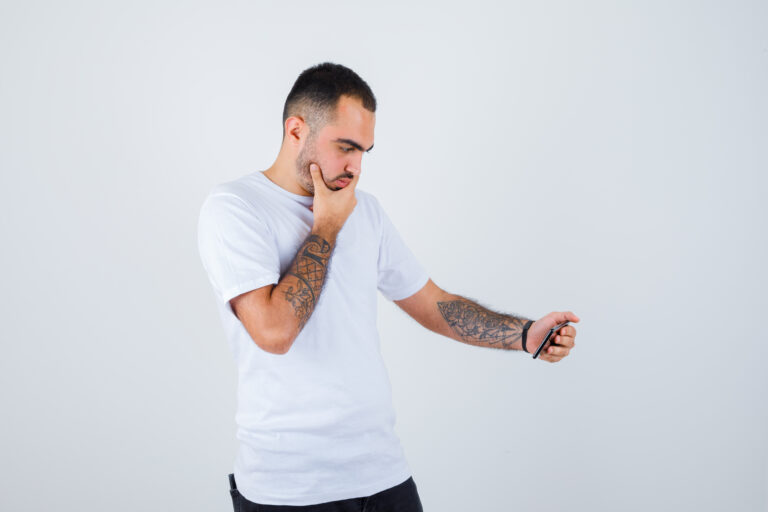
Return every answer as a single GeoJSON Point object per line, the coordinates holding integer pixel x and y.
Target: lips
{"type": "Point", "coordinates": [343, 182]}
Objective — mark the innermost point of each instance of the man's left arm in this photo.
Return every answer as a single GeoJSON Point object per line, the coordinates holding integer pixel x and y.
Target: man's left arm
{"type": "Point", "coordinates": [464, 320]}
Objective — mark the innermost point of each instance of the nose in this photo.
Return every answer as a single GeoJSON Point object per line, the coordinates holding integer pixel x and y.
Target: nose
{"type": "Point", "coordinates": [355, 163]}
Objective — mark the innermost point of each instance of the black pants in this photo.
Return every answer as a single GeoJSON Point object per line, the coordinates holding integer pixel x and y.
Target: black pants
{"type": "Point", "coordinates": [403, 497]}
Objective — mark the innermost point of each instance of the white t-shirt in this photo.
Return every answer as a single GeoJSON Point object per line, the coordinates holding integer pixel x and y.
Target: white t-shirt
{"type": "Point", "coordinates": [315, 424]}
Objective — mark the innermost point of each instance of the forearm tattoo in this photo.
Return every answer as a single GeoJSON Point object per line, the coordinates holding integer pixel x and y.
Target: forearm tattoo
{"type": "Point", "coordinates": [477, 325]}
{"type": "Point", "coordinates": [310, 268]}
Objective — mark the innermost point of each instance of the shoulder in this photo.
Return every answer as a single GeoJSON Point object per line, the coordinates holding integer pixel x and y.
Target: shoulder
{"type": "Point", "coordinates": [230, 209]}
{"type": "Point", "coordinates": [368, 204]}
{"type": "Point", "coordinates": [368, 199]}
{"type": "Point", "coordinates": [221, 204]}
{"type": "Point", "coordinates": [241, 197]}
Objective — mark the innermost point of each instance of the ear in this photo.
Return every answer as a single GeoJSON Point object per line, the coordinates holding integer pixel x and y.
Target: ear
{"type": "Point", "coordinates": [296, 129]}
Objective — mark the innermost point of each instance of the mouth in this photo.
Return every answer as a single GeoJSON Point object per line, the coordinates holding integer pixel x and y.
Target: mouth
{"type": "Point", "coordinates": [343, 182]}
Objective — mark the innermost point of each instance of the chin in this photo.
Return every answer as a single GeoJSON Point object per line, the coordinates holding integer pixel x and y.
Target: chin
{"type": "Point", "coordinates": [309, 187]}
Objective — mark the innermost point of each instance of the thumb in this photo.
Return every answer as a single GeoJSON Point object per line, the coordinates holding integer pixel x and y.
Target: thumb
{"type": "Point", "coordinates": [559, 317]}
{"type": "Point", "coordinates": [313, 171]}
{"type": "Point", "coordinates": [317, 178]}
{"type": "Point", "coordinates": [568, 316]}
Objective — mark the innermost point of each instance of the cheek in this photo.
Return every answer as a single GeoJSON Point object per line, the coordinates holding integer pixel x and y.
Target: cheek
{"type": "Point", "coordinates": [334, 166]}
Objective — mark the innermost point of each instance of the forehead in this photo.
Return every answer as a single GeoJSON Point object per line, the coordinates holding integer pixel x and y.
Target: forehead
{"type": "Point", "coordinates": [352, 121]}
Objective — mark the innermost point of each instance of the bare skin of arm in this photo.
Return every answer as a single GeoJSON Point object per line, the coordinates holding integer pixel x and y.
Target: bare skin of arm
{"type": "Point", "coordinates": [303, 282]}
{"type": "Point", "coordinates": [274, 315]}
{"type": "Point", "coordinates": [463, 320]}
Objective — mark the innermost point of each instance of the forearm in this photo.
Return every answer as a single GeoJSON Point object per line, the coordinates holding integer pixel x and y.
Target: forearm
{"type": "Point", "coordinates": [466, 321]}
{"type": "Point", "coordinates": [296, 294]}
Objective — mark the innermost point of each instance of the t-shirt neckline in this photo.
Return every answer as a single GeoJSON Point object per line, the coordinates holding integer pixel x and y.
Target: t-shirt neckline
{"type": "Point", "coordinates": [305, 200]}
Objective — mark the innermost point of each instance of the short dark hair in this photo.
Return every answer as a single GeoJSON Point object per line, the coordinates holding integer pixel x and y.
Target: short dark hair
{"type": "Point", "coordinates": [316, 92]}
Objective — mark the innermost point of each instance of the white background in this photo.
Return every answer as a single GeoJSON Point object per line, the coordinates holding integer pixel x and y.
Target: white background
{"type": "Point", "coordinates": [607, 158]}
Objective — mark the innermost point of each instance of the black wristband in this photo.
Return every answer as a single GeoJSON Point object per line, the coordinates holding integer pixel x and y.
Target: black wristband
{"type": "Point", "coordinates": [525, 333]}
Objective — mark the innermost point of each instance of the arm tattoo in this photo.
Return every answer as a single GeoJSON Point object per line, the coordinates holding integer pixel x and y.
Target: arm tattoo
{"type": "Point", "coordinates": [310, 268]}
{"type": "Point", "coordinates": [477, 325]}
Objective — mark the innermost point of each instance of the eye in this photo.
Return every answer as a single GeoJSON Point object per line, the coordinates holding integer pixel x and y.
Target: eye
{"type": "Point", "coordinates": [347, 150]}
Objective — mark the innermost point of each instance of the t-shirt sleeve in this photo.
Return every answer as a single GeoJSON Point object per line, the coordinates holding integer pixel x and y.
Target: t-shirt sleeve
{"type": "Point", "coordinates": [400, 274]}
{"type": "Point", "coordinates": [236, 247]}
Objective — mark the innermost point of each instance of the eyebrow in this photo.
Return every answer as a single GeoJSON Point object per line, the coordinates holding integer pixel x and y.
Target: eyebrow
{"type": "Point", "coordinates": [353, 144]}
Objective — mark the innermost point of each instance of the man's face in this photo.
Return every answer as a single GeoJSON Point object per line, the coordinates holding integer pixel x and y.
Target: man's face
{"type": "Point", "coordinates": [338, 147]}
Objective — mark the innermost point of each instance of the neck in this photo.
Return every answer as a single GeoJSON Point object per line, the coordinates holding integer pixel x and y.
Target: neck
{"type": "Point", "coordinates": [283, 174]}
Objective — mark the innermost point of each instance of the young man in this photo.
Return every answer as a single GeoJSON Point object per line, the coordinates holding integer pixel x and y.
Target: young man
{"type": "Point", "coordinates": [295, 255]}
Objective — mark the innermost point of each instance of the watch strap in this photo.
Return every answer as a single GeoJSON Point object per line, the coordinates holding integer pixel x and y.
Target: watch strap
{"type": "Point", "coordinates": [525, 334]}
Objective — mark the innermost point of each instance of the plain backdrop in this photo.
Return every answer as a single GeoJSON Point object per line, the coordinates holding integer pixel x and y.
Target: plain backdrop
{"type": "Point", "coordinates": [607, 158]}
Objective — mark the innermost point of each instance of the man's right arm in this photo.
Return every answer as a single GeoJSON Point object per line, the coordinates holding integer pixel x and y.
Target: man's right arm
{"type": "Point", "coordinates": [274, 315]}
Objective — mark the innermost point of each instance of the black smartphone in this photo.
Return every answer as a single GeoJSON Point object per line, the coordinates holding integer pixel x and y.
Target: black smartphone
{"type": "Point", "coordinates": [549, 335]}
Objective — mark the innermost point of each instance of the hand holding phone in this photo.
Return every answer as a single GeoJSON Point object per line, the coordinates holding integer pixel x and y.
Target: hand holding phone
{"type": "Point", "coordinates": [548, 336]}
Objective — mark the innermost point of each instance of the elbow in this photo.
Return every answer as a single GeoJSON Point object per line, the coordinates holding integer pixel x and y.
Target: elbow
{"type": "Point", "coordinates": [270, 339]}
{"type": "Point", "coordinates": [281, 345]}
{"type": "Point", "coordinates": [285, 341]}
{"type": "Point", "coordinates": [268, 328]}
